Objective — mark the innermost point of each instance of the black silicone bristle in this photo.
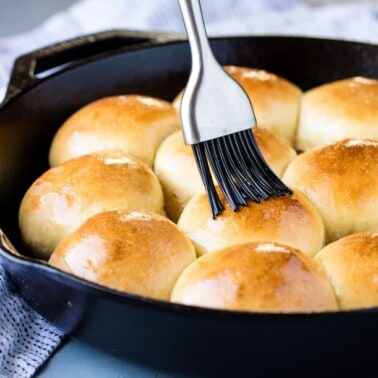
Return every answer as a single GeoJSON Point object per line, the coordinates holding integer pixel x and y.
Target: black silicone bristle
{"type": "Point", "coordinates": [240, 169]}
{"type": "Point", "coordinates": [203, 166]}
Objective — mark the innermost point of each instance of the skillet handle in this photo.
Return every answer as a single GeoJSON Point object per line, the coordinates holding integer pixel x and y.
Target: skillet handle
{"type": "Point", "coordinates": [31, 68]}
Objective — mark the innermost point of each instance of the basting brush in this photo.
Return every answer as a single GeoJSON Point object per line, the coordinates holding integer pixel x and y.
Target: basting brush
{"type": "Point", "coordinates": [217, 120]}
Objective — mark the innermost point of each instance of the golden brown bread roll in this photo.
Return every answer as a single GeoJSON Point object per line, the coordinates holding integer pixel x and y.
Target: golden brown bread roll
{"type": "Point", "coordinates": [65, 196]}
{"type": "Point", "coordinates": [264, 277]}
{"type": "Point", "coordinates": [178, 174]}
{"type": "Point", "coordinates": [275, 100]}
{"type": "Point", "coordinates": [342, 109]}
{"type": "Point", "coordinates": [341, 180]}
{"type": "Point", "coordinates": [132, 124]}
{"type": "Point", "coordinates": [291, 220]}
{"type": "Point", "coordinates": [351, 264]}
{"type": "Point", "coordinates": [134, 251]}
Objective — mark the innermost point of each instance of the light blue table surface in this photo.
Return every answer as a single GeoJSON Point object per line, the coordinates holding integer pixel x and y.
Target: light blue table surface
{"type": "Point", "coordinates": [76, 359]}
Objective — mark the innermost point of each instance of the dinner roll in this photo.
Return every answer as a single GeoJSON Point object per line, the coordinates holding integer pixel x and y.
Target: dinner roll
{"type": "Point", "coordinates": [178, 174]}
{"type": "Point", "coordinates": [341, 180]}
{"type": "Point", "coordinates": [264, 277]}
{"type": "Point", "coordinates": [275, 100]}
{"type": "Point", "coordinates": [66, 195]}
{"type": "Point", "coordinates": [134, 251]}
{"type": "Point", "coordinates": [132, 124]}
{"type": "Point", "coordinates": [291, 220]}
{"type": "Point", "coordinates": [351, 264]}
{"type": "Point", "coordinates": [277, 153]}
{"type": "Point", "coordinates": [338, 110]}
{"type": "Point", "coordinates": [177, 170]}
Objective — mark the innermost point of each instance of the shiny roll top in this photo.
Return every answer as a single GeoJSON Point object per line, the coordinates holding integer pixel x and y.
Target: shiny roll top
{"type": "Point", "coordinates": [131, 124]}
{"type": "Point", "coordinates": [291, 220]}
{"type": "Point", "coordinates": [259, 277]}
{"type": "Point", "coordinates": [341, 180]}
{"type": "Point", "coordinates": [138, 252]}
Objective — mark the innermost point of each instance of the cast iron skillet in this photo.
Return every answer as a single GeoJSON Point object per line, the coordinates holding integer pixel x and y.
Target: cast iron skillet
{"type": "Point", "coordinates": [45, 88]}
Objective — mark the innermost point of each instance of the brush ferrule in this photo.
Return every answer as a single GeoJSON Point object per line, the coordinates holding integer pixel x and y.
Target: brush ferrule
{"type": "Point", "coordinates": [203, 133]}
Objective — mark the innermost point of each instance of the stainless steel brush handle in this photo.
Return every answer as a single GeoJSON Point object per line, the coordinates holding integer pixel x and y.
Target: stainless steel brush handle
{"type": "Point", "coordinates": [213, 104]}
{"type": "Point", "coordinates": [195, 29]}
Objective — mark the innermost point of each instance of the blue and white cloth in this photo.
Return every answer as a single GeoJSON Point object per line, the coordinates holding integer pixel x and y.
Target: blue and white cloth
{"type": "Point", "coordinates": [26, 339]}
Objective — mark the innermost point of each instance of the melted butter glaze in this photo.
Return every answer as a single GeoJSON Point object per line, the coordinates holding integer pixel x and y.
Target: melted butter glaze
{"type": "Point", "coordinates": [290, 220]}
{"type": "Point", "coordinates": [134, 251]}
{"type": "Point", "coordinates": [255, 277]}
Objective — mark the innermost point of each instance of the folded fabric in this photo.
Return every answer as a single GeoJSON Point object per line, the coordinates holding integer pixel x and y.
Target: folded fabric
{"type": "Point", "coordinates": [26, 339]}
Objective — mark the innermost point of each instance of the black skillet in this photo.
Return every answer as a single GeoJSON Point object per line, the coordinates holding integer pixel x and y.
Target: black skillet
{"type": "Point", "coordinates": [45, 88]}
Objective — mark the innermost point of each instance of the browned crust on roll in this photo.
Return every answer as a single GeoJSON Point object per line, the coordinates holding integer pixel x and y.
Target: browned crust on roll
{"type": "Point", "coordinates": [133, 251]}
{"type": "Point", "coordinates": [351, 264]}
{"type": "Point", "coordinates": [132, 124]}
{"type": "Point", "coordinates": [66, 195]}
{"type": "Point", "coordinates": [266, 277]}
{"type": "Point", "coordinates": [341, 180]}
{"type": "Point", "coordinates": [291, 220]}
